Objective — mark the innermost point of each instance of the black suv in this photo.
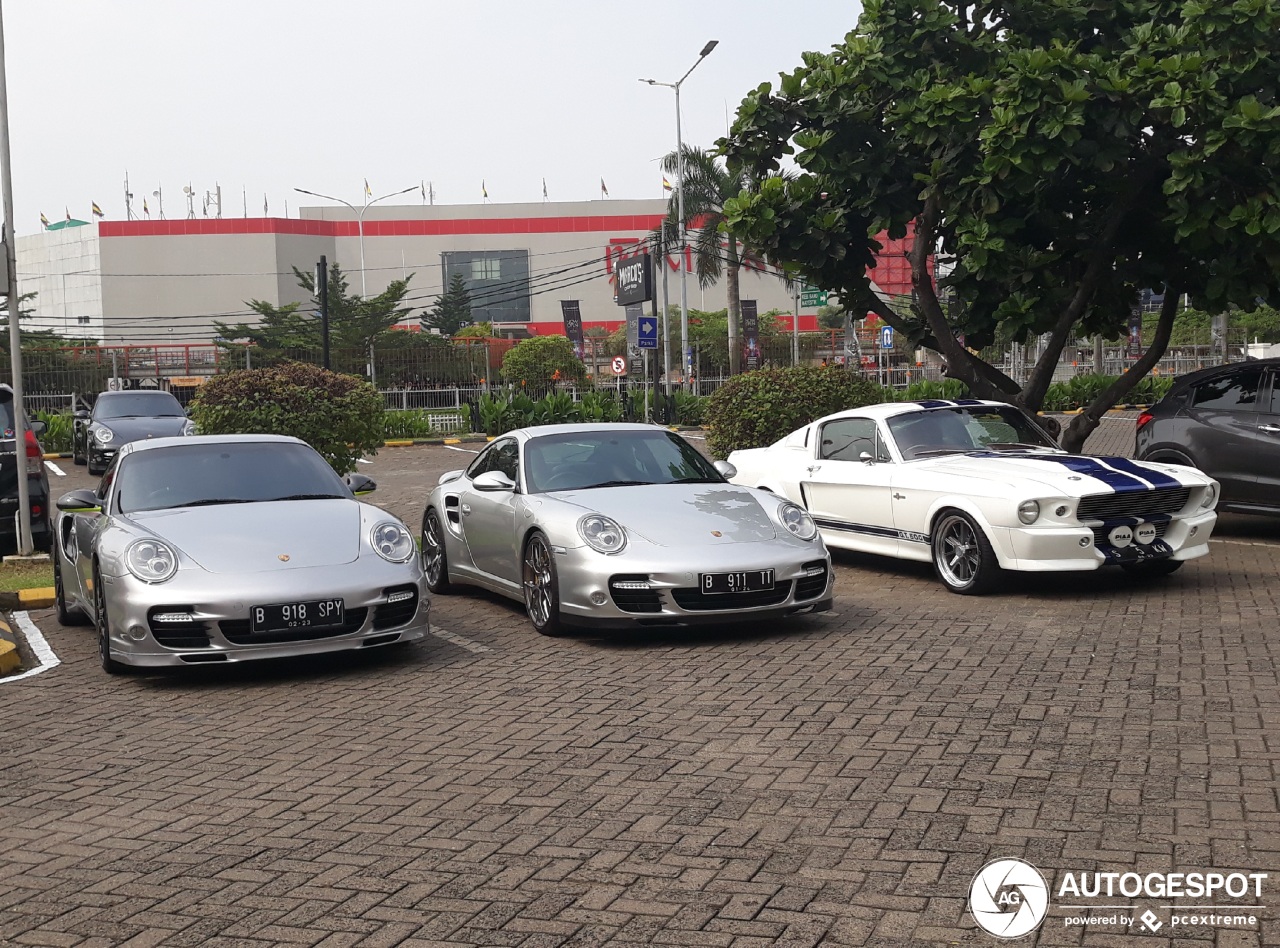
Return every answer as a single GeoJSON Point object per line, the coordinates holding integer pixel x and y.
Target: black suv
{"type": "Point", "coordinates": [1225, 421]}
{"type": "Point", "coordinates": [31, 466]}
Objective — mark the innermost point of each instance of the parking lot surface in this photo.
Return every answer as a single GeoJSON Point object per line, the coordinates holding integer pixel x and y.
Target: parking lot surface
{"type": "Point", "coordinates": [837, 780]}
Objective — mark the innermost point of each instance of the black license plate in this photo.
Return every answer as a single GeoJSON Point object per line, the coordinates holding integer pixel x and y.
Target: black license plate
{"type": "Point", "coordinates": [751, 580]}
{"type": "Point", "coordinates": [313, 614]}
{"type": "Point", "coordinates": [1138, 553]}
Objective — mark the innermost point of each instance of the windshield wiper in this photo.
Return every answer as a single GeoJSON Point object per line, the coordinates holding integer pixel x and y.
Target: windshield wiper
{"type": "Point", "coordinates": [931, 452]}
{"type": "Point", "coordinates": [209, 501]}
{"type": "Point", "coordinates": [698, 480]}
{"type": "Point", "coordinates": [618, 484]}
{"type": "Point", "coordinates": [306, 497]}
{"type": "Point", "coordinates": [1018, 444]}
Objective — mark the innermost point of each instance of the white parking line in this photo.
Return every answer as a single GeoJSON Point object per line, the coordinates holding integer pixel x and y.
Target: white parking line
{"type": "Point", "coordinates": [43, 651]}
{"type": "Point", "coordinates": [455, 448]}
{"type": "Point", "coordinates": [53, 467]}
{"type": "Point", "coordinates": [459, 640]}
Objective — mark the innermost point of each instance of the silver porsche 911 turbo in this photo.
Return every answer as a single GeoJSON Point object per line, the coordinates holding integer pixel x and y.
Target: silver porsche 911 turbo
{"type": "Point", "coordinates": [615, 525]}
{"type": "Point", "coordinates": [233, 547]}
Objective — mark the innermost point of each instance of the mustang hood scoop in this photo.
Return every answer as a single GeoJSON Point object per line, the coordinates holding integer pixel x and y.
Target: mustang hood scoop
{"type": "Point", "coordinates": [684, 515]}
{"type": "Point", "coordinates": [252, 538]}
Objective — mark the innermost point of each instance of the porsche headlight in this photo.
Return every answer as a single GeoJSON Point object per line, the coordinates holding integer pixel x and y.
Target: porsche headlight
{"type": "Point", "coordinates": [1210, 495]}
{"type": "Point", "coordinates": [602, 534]}
{"type": "Point", "coordinates": [1029, 511]}
{"type": "Point", "coordinates": [102, 434]}
{"type": "Point", "coordinates": [797, 521]}
{"type": "Point", "coordinates": [152, 561]}
{"type": "Point", "coordinates": [392, 542]}
{"type": "Point", "coordinates": [188, 429]}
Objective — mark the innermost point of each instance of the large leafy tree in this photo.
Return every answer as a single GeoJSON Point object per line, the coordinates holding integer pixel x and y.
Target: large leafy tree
{"type": "Point", "coordinates": [1064, 155]}
{"type": "Point", "coordinates": [354, 323]}
{"type": "Point", "coordinates": [452, 311]}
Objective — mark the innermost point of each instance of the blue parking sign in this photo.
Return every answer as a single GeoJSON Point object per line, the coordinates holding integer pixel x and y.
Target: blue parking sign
{"type": "Point", "coordinates": [886, 337]}
{"type": "Point", "coordinates": [648, 335]}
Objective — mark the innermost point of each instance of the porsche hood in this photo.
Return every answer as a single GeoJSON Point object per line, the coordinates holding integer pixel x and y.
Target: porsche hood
{"type": "Point", "coordinates": [683, 515]}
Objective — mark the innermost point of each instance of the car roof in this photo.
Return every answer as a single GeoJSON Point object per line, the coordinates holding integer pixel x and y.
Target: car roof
{"type": "Point", "coordinates": [890, 409]}
{"type": "Point", "coordinates": [134, 391]}
{"type": "Point", "coordinates": [1191, 378]}
{"type": "Point", "coordinates": [539, 431]}
{"type": "Point", "coordinates": [152, 443]}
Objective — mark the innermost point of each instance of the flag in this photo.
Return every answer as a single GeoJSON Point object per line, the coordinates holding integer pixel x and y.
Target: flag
{"type": "Point", "coordinates": [431, 192]}
{"type": "Point", "coordinates": [367, 192]}
{"type": "Point", "coordinates": [544, 189]}
{"type": "Point", "coordinates": [68, 215]}
{"type": "Point", "coordinates": [44, 220]}
{"type": "Point", "coordinates": [484, 192]}
{"type": "Point", "coordinates": [603, 190]}
{"type": "Point", "coordinates": [97, 211]}
{"type": "Point", "coordinates": [424, 192]}
{"type": "Point", "coordinates": [265, 212]}
{"type": "Point", "coordinates": [666, 185]}
{"type": "Point", "coordinates": [145, 210]}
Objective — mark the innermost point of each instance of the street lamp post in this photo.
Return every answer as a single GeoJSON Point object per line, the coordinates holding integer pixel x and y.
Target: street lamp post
{"type": "Point", "coordinates": [684, 230]}
{"type": "Point", "coordinates": [359, 213]}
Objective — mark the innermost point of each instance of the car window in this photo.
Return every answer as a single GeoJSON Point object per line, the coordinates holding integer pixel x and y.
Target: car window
{"type": "Point", "coordinates": [585, 459]}
{"type": "Point", "coordinates": [1235, 391]}
{"type": "Point", "coordinates": [506, 459]}
{"type": "Point", "coordinates": [1275, 392]}
{"type": "Point", "coordinates": [483, 462]}
{"type": "Point", "coordinates": [108, 478]}
{"type": "Point", "coordinates": [966, 428]}
{"type": "Point", "coordinates": [846, 439]}
{"type": "Point", "coordinates": [137, 404]}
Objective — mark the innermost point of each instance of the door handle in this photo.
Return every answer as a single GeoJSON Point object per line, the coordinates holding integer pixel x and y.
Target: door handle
{"type": "Point", "coordinates": [1272, 429]}
{"type": "Point", "coordinates": [813, 468]}
{"type": "Point", "coordinates": [466, 509]}
{"type": "Point", "coordinates": [897, 496]}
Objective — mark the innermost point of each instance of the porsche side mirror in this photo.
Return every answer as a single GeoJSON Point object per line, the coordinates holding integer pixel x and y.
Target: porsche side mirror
{"type": "Point", "coordinates": [727, 470]}
{"type": "Point", "coordinates": [83, 500]}
{"type": "Point", "coordinates": [493, 482]}
{"type": "Point", "coordinates": [82, 414]}
{"type": "Point", "coordinates": [360, 484]}
{"type": "Point", "coordinates": [37, 427]}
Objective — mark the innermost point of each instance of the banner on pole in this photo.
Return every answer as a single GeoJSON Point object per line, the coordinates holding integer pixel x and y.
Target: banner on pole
{"type": "Point", "coordinates": [751, 333]}
{"type": "Point", "coordinates": [572, 324]}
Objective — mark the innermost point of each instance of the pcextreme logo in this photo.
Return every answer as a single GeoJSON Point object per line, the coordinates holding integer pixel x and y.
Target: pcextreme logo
{"type": "Point", "coordinates": [1008, 898]}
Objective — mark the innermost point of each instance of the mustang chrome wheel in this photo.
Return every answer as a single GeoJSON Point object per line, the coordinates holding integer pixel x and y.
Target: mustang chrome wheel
{"type": "Point", "coordinates": [435, 563]}
{"type": "Point", "coordinates": [541, 586]}
{"type": "Point", "coordinates": [962, 556]}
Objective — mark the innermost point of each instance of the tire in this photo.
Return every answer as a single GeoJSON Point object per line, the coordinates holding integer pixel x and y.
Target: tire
{"type": "Point", "coordinates": [962, 556]}
{"type": "Point", "coordinates": [1153, 570]}
{"type": "Point", "coordinates": [67, 615]}
{"type": "Point", "coordinates": [76, 456]}
{"type": "Point", "coordinates": [109, 664]}
{"type": "Point", "coordinates": [435, 559]}
{"type": "Point", "coordinates": [541, 585]}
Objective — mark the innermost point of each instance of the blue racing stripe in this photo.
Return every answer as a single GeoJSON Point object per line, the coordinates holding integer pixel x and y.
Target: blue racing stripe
{"type": "Point", "coordinates": [934, 403]}
{"type": "Point", "coordinates": [968, 401]}
{"type": "Point", "coordinates": [1156, 478]}
{"type": "Point", "coordinates": [1118, 481]}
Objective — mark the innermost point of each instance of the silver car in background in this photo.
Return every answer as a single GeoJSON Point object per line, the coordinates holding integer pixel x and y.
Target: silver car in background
{"type": "Point", "coordinates": [228, 548]}
{"type": "Point", "coordinates": [615, 525]}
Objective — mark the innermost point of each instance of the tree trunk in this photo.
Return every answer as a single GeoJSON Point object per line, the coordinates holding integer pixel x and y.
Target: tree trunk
{"type": "Point", "coordinates": [735, 308]}
{"type": "Point", "coordinates": [1083, 424]}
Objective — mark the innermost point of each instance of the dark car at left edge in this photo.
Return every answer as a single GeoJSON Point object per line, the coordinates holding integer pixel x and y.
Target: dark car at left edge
{"type": "Point", "coordinates": [11, 468]}
{"type": "Point", "coordinates": [119, 418]}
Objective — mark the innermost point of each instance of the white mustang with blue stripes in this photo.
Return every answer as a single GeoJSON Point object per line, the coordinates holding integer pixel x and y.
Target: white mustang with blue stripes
{"type": "Point", "coordinates": [978, 487]}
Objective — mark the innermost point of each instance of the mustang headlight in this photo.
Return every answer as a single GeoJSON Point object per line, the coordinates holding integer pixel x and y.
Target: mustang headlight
{"type": "Point", "coordinates": [602, 534]}
{"type": "Point", "coordinates": [1029, 511]}
{"type": "Point", "coordinates": [152, 561]}
{"type": "Point", "coordinates": [102, 434]}
{"type": "Point", "coordinates": [1210, 495]}
{"type": "Point", "coordinates": [797, 521]}
{"type": "Point", "coordinates": [392, 542]}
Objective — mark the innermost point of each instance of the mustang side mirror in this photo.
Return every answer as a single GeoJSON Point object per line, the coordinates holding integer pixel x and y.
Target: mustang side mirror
{"type": "Point", "coordinates": [866, 458]}
{"type": "Point", "coordinates": [83, 500]}
{"type": "Point", "coordinates": [727, 470]}
{"type": "Point", "coordinates": [493, 482]}
{"type": "Point", "coordinates": [360, 484]}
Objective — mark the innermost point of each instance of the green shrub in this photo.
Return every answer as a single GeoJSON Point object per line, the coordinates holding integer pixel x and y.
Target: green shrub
{"type": "Point", "coordinates": [338, 415]}
{"type": "Point", "coordinates": [599, 406]}
{"type": "Point", "coordinates": [417, 422]}
{"type": "Point", "coordinates": [758, 408]}
{"type": "Point", "coordinates": [925, 389]}
{"type": "Point", "coordinates": [690, 408]}
{"type": "Point", "coordinates": [57, 433]}
{"type": "Point", "coordinates": [542, 361]}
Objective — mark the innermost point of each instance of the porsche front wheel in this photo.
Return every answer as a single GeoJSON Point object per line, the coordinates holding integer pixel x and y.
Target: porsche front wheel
{"type": "Point", "coordinates": [541, 586]}
{"type": "Point", "coordinates": [962, 555]}
{"type": "Point", "coordinates": [435, 561]}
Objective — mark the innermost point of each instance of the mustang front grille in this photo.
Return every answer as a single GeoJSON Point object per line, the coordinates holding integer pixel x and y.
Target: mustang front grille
{"type": "Point", "coordinates": [695, 600]}
{"type": "Point", "coordinates": [1162, 500]}
{"type": "Point", "coordinates": [236, 631]}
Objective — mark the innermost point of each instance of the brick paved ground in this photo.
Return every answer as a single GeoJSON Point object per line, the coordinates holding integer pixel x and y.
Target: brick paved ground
{"type": "Point", "coordinates": [837, 780]}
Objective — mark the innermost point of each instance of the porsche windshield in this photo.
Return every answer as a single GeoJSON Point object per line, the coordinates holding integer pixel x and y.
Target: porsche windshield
{"type": "Point", "coordinates": [585, 459]}
{"type": "Point", "coordinates": [137, 405]}
{"type": "Point", "coordinates": [966, 428]}
{"type": "Point", "coordinates": [203, 474]}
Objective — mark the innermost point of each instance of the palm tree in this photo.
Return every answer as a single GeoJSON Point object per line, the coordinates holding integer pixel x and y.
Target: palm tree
{"type": "Point", "coordinates": [708, 184]}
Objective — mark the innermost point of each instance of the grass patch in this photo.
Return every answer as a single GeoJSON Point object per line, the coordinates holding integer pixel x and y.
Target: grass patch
{"type": "Point", "coordinates": [16, 576]}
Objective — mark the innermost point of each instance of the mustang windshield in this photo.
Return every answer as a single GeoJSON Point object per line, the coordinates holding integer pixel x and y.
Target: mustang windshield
{"type": "Point", "coordinates": [137, 405]}
{"type": "Point", "coordinates": [966, 428]}
{"type": "Point", "coordinates": [200, 474]}
{"type": "Point", "coordinates": [584, 459]}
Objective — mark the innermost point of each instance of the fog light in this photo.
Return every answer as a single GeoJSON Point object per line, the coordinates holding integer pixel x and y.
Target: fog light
{"type": "Point", "coordinates": [1084, 541]}
{"type": "Point", "coordinates": [1061, 510]}
{"type": "Point", "coordinates": [598, 598]}
{"type": "Point", "coordinates": [815, 570]}
{"type": "Point", "coordinates": [137, 632]}
{"type": "Point", "coordinates": [1193, 531]}
{"type": "Point", "coordinates": [629, 584]}
{"type": "Point", "coordinates": [400, 596]}
{"type": "Point", "coordinates": [174, 617]}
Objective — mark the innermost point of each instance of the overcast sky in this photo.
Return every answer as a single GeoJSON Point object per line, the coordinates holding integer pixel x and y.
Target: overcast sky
{"type": "Point", "coordinates": [265, 96]}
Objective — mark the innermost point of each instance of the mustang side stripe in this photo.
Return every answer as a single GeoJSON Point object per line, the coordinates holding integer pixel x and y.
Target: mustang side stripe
{"type": "Point", "coordinates": [847, 527]}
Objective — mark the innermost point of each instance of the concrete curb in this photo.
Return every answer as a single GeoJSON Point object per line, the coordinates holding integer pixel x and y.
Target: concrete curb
{"type": "Point", "coordinates": [10, 660]}
{"type": "Point", "coordinates": [41, 597]}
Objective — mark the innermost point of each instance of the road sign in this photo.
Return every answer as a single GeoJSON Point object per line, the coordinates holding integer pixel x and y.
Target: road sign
{"type": "Point", "coordinates": [619, 365]}
{"type": "Point", "coordinates": [647, 337]}
{"type": "Point", "coordinates": [886, 337]}
{"type": "Point", "coordinates": [813, 297]}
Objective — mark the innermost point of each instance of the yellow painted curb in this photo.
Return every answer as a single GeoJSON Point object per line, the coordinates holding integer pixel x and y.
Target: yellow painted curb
{"type": "Point", "coordinates": [398, 444]}
{"type": "Point", "coordinates": [42, 597]}
{"type": "Point", "coordinates": [453, 441]}
{"type": "Point", "coordinates": [9, 660]}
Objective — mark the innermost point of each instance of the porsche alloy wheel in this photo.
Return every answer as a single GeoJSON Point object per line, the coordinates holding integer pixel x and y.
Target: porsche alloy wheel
{"type": "Point", "coordinates": [541, 586]}
{"type": "Point", "coordinates": [435, 562]}
{"type": "Point", "coordinates": [962, 556]}
{"type": "Point", "coordinates": [67, 615]}
{"type": "Point", "coordinates": [109, 664]}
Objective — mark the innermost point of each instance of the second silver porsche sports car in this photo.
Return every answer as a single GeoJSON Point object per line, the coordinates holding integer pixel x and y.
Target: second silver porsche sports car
{"type": "Point", "coordinates": [614, 525]}
{"type": "Point", "coordinates": [232, 547]}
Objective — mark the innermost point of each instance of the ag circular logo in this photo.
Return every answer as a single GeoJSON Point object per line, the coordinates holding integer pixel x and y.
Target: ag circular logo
{"type": "Point", "coordinates": [1008, 898]}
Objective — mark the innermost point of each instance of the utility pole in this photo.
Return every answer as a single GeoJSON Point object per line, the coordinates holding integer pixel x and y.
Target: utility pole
{"type": "Point", "coordinates": [25, 546]}
{"type": "Point", "coordinates": [322, 292]}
